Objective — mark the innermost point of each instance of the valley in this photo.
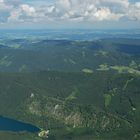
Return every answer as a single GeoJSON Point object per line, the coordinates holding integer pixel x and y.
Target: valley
{"type": "Point", "coordinates": [76, 89]}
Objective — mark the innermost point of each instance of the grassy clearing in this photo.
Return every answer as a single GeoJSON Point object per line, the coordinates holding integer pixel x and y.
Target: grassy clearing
{"type": "Point", "coordinates": [5, 62]}
{"type": "Point", "coordinates": [125, 69]}
{"type": "Point", "coordinates": [103, 67]}
{"type": "Point", "coordinates": [127, 82]}
{"type": "Point", "coordinates": [23, 68]}
{"type": "Point", "coordinates": [133, 64]}
{"type": "Point", "coordinates": [87, 71]}
{"type": "Point", "coordinates": [107, 98]}
{"type": "Point", "coordinates": [16, 46]}
{"type": "Point", "coordinates": [73, 95]}
{"type": "Point", "coordinates": [101, 53]}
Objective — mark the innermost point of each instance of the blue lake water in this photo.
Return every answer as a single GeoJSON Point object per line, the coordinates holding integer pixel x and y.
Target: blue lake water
{"type": "Point", "coordinates": [7, 124]}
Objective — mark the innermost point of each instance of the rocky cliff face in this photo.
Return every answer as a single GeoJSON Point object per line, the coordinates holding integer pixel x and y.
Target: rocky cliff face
{"type": "Point", "coordinates": [74, 115]}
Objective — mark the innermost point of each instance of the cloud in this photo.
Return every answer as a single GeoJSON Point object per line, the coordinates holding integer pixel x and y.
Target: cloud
{"type": "Point", "coordinates": [94, 10]}
{"type": "Point", "coordinates": [14, 3]}
{"type": "Point", "coordinates": [28, 10]}
{"type": "Point", "coordinates": [106, 14]}
{"type": "Point", "coordinates": [4, 6]}
{"type": "Point", "coordinates": [134, 12]}
{"type": "Point", "coordinates": [23, 13]}
{"type": "Point", "coordinates": [69, 10]}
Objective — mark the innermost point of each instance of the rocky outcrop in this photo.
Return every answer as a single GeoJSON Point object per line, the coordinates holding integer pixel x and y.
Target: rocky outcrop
{"type": "Point", "coordinates": [73, 115]}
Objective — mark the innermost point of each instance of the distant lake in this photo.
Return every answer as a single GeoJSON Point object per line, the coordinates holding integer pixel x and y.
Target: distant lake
{"type": "Point", "coordinates": [7, 124]}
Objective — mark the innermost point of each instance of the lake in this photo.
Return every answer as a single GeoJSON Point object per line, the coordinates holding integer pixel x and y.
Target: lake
{"type": "Point", "coordinates": [7, 124]}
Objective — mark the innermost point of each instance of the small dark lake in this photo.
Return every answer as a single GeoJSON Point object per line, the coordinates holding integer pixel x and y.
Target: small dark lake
{"type": "Point", "coordinates": [7, 124]}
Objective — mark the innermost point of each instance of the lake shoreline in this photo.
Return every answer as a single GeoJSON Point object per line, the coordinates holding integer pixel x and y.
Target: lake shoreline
{"type": "Point", "coordinates": [13, 125]}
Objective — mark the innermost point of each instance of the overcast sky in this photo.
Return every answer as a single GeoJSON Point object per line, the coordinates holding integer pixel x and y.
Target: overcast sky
{"type": "Point", "coordinates": [96, 14]}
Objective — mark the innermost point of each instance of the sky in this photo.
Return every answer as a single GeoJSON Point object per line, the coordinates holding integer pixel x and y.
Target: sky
{"type": "Point", "coordinates": [64, 14]}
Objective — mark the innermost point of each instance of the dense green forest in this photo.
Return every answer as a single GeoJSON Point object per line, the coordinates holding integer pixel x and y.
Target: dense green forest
{"type": "Point", "coordinates": [79, 90]}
